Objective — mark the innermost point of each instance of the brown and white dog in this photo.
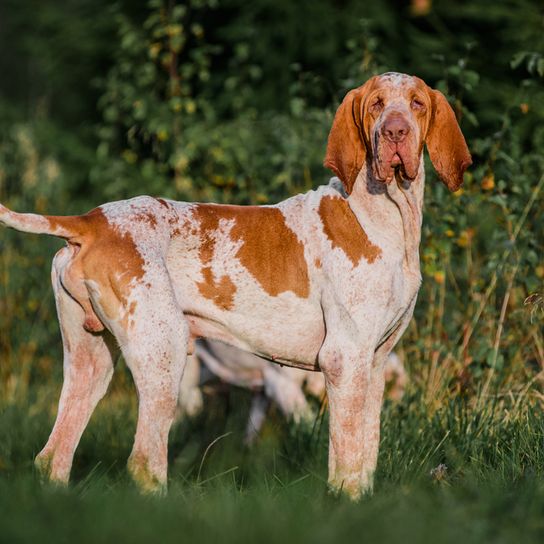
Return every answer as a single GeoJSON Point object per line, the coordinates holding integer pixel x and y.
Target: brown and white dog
{"type": "Point", "coordinates": [325, 279]}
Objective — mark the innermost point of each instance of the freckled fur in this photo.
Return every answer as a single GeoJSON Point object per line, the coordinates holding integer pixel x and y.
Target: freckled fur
{"type": "Point", "coordinates": [157, 273]}
{"type": "Point", "coordinates": [221, 292]}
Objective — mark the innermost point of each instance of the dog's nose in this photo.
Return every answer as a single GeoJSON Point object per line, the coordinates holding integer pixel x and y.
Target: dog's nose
{"type": "Point", "coordinates": [395, 128]}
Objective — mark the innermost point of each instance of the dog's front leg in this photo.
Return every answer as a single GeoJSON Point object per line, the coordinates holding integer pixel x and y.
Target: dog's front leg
{"type": "Point", "coordinates": [354, 405]}
{"type": "Point", "coordinates": [371, 423]}
{"type": "Point", "coordinates": [374, 399]}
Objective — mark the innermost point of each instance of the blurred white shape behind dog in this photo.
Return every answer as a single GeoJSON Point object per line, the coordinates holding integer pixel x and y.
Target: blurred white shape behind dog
{"type": "Point", "coordinates": [282, 385]}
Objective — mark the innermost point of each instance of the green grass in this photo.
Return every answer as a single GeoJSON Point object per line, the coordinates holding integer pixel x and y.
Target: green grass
{"type": "Point", "coordinates": [493, 489]}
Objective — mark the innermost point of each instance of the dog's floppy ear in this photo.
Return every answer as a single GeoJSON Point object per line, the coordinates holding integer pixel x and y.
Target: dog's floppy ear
{"type": "Point", "coordinates": [446, 144]}
{"type": "Point", "coordinates": [346, 148]}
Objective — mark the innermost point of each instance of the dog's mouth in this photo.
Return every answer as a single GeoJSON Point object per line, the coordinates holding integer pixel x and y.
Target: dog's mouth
{"type": "Point", "coordinates": [394, 161]}
{"type": "Point", "coordinates": [390, 168]}
{"type": "Point", "coordinates": [397, 165]}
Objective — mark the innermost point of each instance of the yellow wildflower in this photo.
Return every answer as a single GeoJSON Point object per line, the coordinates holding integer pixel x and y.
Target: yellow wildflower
{"type": "Point", "coordinates": [488, 182]}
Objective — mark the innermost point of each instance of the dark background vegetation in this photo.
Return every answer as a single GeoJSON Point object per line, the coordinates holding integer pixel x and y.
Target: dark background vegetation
{"type": "Point", "coordinates": [232, 101]}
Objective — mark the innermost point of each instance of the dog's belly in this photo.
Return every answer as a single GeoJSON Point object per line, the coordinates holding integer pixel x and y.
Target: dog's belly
{"type": "Point", "coordinates": [287, 339]}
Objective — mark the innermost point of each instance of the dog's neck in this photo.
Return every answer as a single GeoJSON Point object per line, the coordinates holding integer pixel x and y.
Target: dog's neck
{"type": "Point", "coordinates": [392, 210]}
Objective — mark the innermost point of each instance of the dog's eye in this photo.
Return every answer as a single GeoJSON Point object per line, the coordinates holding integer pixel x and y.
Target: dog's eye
{"type": "Point", "coordinates": [377, 105]}
{"type": "Point", "coordinates": [417, 105]}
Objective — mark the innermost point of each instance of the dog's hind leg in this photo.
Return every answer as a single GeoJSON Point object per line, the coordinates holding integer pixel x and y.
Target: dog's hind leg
{"type": "Point", "coordinates": [88, 368]}
{"type": "Point", "coordinates": [154, 344]}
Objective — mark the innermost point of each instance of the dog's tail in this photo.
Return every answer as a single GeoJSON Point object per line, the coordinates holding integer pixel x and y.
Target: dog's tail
{"type": "Point", "coordinates": [67, 227]}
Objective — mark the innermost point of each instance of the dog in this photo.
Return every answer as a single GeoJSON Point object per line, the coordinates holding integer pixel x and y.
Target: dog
{"type": "Point", "coordinates": [324, 280]}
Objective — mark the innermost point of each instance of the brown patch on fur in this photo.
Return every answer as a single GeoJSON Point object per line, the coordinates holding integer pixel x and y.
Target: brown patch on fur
{"type": "Point", "coordinates": [162, 202]}
{"type": "Point", "coordinates": [102, 254]}
{"type": "Point", "coordinates": [180, 226]}
{"type": "Point", "coordinates": [126, 320]}
{"type": "Point", "coordinates": [149, 218]}
{"type": "Point", "coordinates": [317, 263]}
{"type": "Point", "coordinates": [344, 231]}
{"type": "Point", "coordinates": [270, 250]}
{"type": "Point", "coordinates": [221, 292]}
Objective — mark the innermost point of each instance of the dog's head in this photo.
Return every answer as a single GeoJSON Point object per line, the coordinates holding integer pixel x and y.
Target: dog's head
{"type": "Point", "coordinates": [386, 121]}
